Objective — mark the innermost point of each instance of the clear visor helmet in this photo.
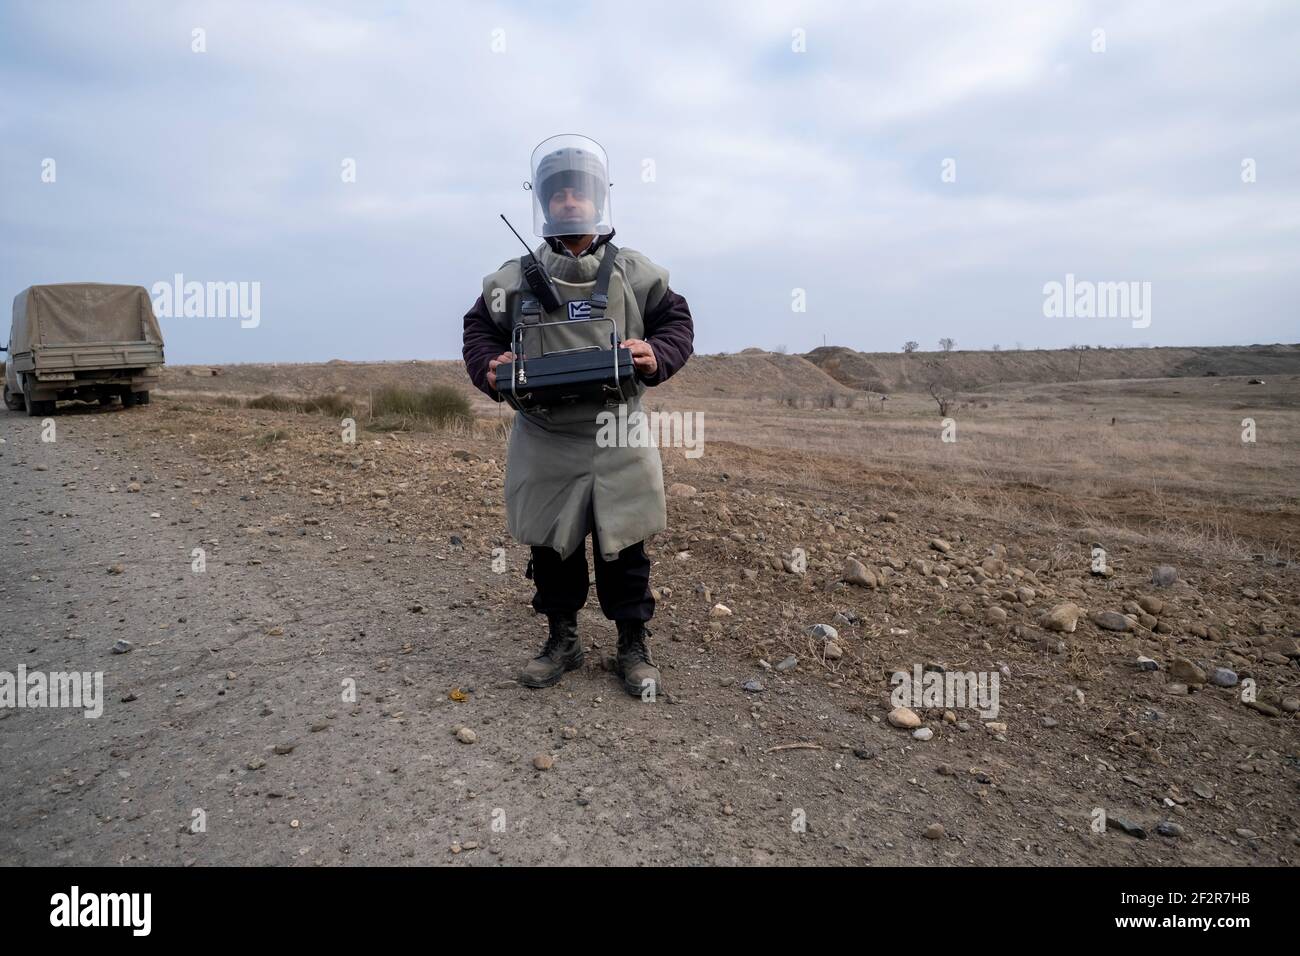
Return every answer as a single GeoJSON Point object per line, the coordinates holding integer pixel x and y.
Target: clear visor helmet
{"type": "Point", "coordinates": [570, 187]}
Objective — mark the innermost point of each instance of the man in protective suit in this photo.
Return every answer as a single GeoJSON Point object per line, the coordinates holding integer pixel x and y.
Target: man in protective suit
{"type": "Point", "coordinates": [561, 484]}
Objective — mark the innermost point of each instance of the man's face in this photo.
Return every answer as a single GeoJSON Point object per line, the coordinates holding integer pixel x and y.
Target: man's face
{"type": "Point", "coordinates": [572, 206]}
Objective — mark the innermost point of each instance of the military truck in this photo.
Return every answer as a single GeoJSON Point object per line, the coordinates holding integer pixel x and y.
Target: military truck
{"type": "Point", "coordinates": [84, 341]}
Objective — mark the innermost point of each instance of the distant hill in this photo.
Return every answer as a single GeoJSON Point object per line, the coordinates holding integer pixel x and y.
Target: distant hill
{"type": "Point", "coordinates": [832, 372]}
{"type": "Point", "coordinates": [752, 373]}
{"type": "Point", "coordinates": [900, 372]}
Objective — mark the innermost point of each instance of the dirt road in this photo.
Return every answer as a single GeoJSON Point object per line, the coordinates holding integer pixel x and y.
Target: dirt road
{"type": "Point", "coordinates": [232, 709]}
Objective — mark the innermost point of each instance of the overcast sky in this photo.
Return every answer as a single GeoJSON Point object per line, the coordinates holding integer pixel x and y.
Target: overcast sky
{"type": "Point", "coordinates": [774, 169]}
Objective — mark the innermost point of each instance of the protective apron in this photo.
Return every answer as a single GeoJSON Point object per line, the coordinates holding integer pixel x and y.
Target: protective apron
{"type": "Point", "coordinates": [555, 468]}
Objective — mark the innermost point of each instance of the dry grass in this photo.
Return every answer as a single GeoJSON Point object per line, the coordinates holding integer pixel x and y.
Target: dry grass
{"type": "Point", "coordinates": [1159, 461]}
{"type": "Point", "coordinates": [437, 407]}
{"type": "Point", "coordinates": [332, 404]}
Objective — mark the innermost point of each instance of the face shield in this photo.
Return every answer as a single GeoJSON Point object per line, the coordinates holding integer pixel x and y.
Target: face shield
{"type": "Point", "coordinates": [570, 187]}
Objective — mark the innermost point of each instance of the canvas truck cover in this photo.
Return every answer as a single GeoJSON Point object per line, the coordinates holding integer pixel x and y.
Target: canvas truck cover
{"type": "Point", "coordinates": [82, 312]}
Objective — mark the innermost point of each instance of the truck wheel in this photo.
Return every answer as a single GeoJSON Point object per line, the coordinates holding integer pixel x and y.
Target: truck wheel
{"type": "Point", "coordinates": [141, 398]}
{"type": "Point", "coordinates": [128, 398]}
{"type": "Point", "coordinates": [12, 401]}
{"type": "Point", "coordinates": [35, 409]}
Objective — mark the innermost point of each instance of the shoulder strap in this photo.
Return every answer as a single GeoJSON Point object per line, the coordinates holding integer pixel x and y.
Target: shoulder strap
{"type": "Point", "coordinates": [600, 294]}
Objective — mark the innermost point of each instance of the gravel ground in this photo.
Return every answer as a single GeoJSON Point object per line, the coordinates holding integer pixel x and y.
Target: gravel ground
{"type": "Point", "coordinates": [228, 735]}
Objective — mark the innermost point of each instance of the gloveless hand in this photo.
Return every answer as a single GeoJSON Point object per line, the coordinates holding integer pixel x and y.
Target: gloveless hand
{"type": "Point", "coordinates": [643, 356]}
{"type": "Point", "coordinates": [501, 359]}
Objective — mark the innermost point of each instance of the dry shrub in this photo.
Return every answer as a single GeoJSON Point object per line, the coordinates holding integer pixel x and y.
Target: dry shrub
{"type": "Point", "coordinates": [436, 407]}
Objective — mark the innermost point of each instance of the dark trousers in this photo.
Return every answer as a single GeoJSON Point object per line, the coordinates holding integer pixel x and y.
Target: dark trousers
{"type": "Point", "coordinates": [622, 585]}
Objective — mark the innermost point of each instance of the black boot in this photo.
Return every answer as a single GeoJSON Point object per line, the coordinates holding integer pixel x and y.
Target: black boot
{"type": "Point", "coordinates": [634, 663]}
{"type": "Point", "coordinates": [562, 652]}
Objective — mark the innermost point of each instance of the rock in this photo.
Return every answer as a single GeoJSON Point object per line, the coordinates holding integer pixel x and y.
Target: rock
{"type": "Point", "coordinates": [833, 651]}
{"type": "Point", "coordinates": [1146, 664]}
{"type": "Point", "coordinates": [285, 748]}
{"type": "Point", "coordinates": [543, 761]}
{"type": "Point", "coordinates": [122, 646]}
{"type": "Point", "coordinates": [1176, 690]}
{"type": "Point", "coordinates": [133, 486]}
{"type": "Point", "coordinates": [465, 735]}
{"type": "Point", "coordinates": [1185, 672]}
{"type": "Point", "coordinates": [922, 733]}
{"type": "Point", "coordinates": [1286, 647]}
{"type": "Point", "coordinates": [940, 545]}
{"type": "Point", "coordinates": [1152, 605]}
{"type": "Point", "coordinates": [904, 717]}
{"type": "Point", "coordinates": [995, 615]}
{"type": "Point", "coordinates": [1110, 621]}
{"type": "Point", "coordinates": [719, 610]}
{"type": "Point", "coordinates": [787, 664]}
{"type": "Point", "coordinates": [855, 572]}
{"type": "Point", "coordinates": [993, 567]}
{"type": "Point", "coordinates": [1291, 704]}
{"type": "Point", "coordinates": [679, 490]}
{"type": "Point", "coordinates": [1223, 677]}
{"type": "Point", "coordinates": [1268, 710]}
{"type": "Point", "coordinates": [823, 632]}
{"type": "Point", "coordinates": [1167, 828]}
{"type": "Point", "coordinates": [1132, 829]}
{"type": "Point", "coordinates": [753, 686]}
{"type": "Point", "coordinates": [1049, 722]}
{"type": "Point", "coordinates": [569, 733]}
{"type": "Point", "coordinates": [1063, 618]}
{"type": "Point", "coordinates": [935, 831]}
{"type": "Point", "coordinates": [889, 517]}
{"type": "Point", "coordinates": [1025, 595]}
{"type": "Point", "coordinates": [257, 763]}
{"type": "Point", "coordinates": [1164, 576]}
{"type": "Point", "coordinates": [996, 727]}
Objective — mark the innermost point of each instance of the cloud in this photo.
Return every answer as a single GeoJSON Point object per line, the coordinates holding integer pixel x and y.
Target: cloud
{"type": "Point", "coordinates": [773, 169]}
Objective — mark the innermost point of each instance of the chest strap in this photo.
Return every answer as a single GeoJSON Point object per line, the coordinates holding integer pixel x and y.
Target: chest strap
{"type": "Point", "coordinates": [600, 293]}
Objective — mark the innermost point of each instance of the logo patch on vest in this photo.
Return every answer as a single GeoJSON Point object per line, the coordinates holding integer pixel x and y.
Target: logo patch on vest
{"type": "Point", "coordinates": [580, 309]}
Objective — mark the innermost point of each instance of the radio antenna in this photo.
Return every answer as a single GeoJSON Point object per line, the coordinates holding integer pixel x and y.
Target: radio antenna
{"type": "Point", "coordinates": [519, 237]}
